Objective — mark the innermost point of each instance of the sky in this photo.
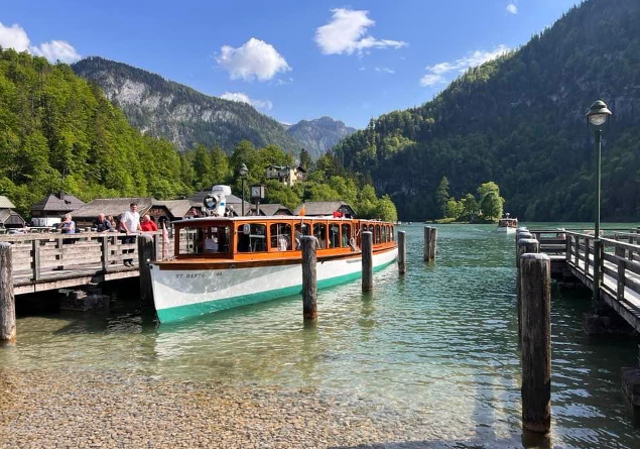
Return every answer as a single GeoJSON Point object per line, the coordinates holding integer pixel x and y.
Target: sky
{"type": "Point", "coordinates": [291, 59]}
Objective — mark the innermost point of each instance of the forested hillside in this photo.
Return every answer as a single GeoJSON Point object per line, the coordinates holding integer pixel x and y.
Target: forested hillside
{"type": "Point", "coordinates": [164, 109]}
{"type": "Point", "coordinates": [57, 131]}
{"type": "Point", "coordinates": [520, 121]}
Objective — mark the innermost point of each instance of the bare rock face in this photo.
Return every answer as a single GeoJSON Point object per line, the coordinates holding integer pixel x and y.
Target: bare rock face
{"type": "Point", "coordinates": [164, 109]}
{"type": "Point", "coordinates": [319, 135]}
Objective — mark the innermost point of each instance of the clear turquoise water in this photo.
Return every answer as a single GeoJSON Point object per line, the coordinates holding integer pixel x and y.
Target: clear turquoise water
{"type": "Point", "coordinates": [439, 345]}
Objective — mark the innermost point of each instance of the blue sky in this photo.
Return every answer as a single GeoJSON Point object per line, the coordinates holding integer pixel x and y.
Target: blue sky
{"type": "Point", "coordinates": [291, 59]}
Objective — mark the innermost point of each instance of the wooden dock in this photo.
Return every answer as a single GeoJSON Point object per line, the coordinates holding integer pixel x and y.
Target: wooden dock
{"type": "Point", "coordinates": [615, 265]}
{"type": "Point", "coordinates": [43, 262]}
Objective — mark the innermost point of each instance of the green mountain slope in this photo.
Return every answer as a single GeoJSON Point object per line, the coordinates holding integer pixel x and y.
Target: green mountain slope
{"type": "Point", "coordinates": [519, 121]}
{"type": "Point", "coordinates": [162, 108]}
{"type": "Point", "coordinates": [54, 125]}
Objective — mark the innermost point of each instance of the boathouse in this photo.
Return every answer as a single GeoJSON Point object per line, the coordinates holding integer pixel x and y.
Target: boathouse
{"type": "Point", "coordinates": [325, 208]}
{"type": "Point", "coordinates": [8, 217]}
{"type": "Point", "coordinates": [53, 207]}
{"type": "Point", "coordinates": [268, 210]}
{"type": "Point", "coordinates": [87, 214]}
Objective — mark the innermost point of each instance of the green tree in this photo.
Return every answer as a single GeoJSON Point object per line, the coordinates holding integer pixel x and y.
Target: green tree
{"type": "Point", "coordinates": [305, 159]}
{"type": "Point", "coordinates": [491, 207]}
{"type": "Point", "coordinates": [386, 210]}
{"type": "Point", "coordinates": [453, 209]}
{"type": "Point", "coordinates": [487, 188]}
{"type": "Point", "coordinates": [442, 194]}
{"type": "Point", "coordinates": [470, 207]}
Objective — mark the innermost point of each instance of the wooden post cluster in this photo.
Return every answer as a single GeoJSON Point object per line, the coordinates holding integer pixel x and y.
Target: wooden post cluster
{"type": "Point", "coordinates": [597, 267]}
{"type": "Point", "coordinates": [535, 288]}
{"type": "Point", "coordinates": [309, 278]}
{"type": "Point", "coordinates": [430, 242]}
{"type": "Point", "coordinates": [367, 261]}
{"type": "Point", "coordinates": [146, 254]}
{"type": "Point", "coordinates": [7, 299]}
{"type": "Point", "coordinates": [402, 252]}
{"type": "Point", "coordinates": [525, 245]}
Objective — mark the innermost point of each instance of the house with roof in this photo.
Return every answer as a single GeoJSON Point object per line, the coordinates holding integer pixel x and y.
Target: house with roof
{"type": "Point", "coordinates": [8, 217]}
{"type": "Point", "coordinates": [285, 174]}
{"type": "Point", "coordinates": [325, 208]}
{"type": "Point", "coordinates": [270, 210]}
{"type": "Point", "coordinates": [51, 208]}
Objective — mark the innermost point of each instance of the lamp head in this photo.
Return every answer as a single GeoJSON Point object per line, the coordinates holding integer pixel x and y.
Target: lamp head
{"type": "Point", "coordinates": [244, 171]}
{"type": "Point", "coordinates": [598, 115]}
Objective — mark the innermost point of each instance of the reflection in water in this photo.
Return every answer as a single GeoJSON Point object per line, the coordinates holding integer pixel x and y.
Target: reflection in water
{"type": "Point", "coordinates": [439, 344]}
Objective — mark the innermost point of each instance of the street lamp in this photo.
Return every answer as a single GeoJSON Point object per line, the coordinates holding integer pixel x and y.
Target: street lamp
{"type": "Point", "coordinates": [597, 117]}
{"type": "Point", "coordinates": [244, 171]}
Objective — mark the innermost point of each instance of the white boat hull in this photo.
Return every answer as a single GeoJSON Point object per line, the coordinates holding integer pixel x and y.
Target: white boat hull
{"type": "Point", "coordinates": [180, 294]}
{"type": "Point", "coordinates": [506, 229]}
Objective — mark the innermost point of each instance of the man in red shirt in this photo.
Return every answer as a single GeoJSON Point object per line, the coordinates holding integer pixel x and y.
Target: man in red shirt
{"type": "Point", "coordinates": [147, 225]}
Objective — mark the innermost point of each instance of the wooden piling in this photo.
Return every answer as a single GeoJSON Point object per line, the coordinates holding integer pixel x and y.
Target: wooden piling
{"type": "Point", "coordinates": [597, 268]}
{"type": "Point", "coordinates": [309, 278]}
{"type": "Point", "coordinates": [427, 236]}
{"type": "Point", "coordinates": [7, 299]}
{"type": "Point", "coordinates": [402, 252]}
{"type": "Point", "coordinates": [367, 261]}
{"type": "Point", "coordinates": [430, 242]}
{"type": "Point", "coordinates": [146, 254]}
{"type": "Point", "coordinates": [535, 287]}
{"type": "Point", "coordinates": [525, 245]}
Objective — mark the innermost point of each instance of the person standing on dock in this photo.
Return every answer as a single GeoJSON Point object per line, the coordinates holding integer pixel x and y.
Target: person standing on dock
{"type": "Point", "coordinates": [131, 225]}
{"type": "Point", "coordinates": [102, 224]}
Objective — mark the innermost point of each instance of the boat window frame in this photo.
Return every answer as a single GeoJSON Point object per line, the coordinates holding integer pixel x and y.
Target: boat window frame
{"type": "Point", "coordinates": [237, 233]}
{"type": "Point", "coordinates": [186, 227]}
{"type": "Point", "coordinates": [329, 242]}
{"type": "Point", "coordinates": [290, 246]}
{"type": "Point", "coordinates": [326, 234]}
{"type": "Point", "coordinates": [349, 227]}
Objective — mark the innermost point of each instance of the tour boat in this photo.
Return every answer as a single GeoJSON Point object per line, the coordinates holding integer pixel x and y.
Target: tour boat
{"type": "Point", "coordinates": [507, 224]}
{"type": "Point", "coordinates": [221, 263]}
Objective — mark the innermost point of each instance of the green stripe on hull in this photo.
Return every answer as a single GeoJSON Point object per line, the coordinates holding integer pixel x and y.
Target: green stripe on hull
{"type": "Point", "coordinates": [183, 312]}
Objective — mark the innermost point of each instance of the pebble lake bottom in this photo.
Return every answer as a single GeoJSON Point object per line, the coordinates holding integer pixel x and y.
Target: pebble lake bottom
{"type": "Point", "coordinates": [429, 360]}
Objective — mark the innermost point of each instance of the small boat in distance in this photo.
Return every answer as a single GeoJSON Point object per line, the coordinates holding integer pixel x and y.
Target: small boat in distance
{"type": "Point", "coordinates": [507, 224]}
{"type": "Point", "coordinates": [223, 262]}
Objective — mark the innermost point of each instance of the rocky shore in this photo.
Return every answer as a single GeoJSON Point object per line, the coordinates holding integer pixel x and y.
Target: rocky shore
{"type": "Point", "coordinates": [96, 409]}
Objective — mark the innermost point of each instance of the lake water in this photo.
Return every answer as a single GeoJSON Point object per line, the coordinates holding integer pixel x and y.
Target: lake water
{"type": "Point", "coordinates": [439, 344]}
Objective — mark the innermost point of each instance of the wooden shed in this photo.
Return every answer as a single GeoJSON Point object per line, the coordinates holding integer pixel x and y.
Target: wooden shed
{"type": "Point", "coordinates": [326, 208]}
{"type": "Point", "coordinates": [56, 205]}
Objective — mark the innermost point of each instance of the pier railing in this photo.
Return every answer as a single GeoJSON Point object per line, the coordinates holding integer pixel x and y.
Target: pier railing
{"type": "Point", "coordinates": [48, 261]}
{"type": "Point", "coordinates": [609, 266]}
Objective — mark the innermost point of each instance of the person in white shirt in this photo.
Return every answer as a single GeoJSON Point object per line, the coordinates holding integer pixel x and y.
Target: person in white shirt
{"type": "Point", "coordinates": [131, 224]}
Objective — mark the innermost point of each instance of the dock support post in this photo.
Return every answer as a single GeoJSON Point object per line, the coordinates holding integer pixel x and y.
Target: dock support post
{"type": "Point", "coordinates": [309, 278]}
{"type": "Point", "coordinates": [525, 245]}
{"type": "Point", "coordinates": [35, 254]}
{"type": "Point", "coordinates": [367, 261]}
{"type": "Point", "coordinates": [597, 269]}
{"type": "Point", "coordinates": [536, 342]}
{"type": "Point", "coordinates": [631, 387]}
{"type": "Point", "coordinates": [430, 240]}
{"type": "Point", "coordinates": [146, 254]}
{"type": "Point", "coordinates": [402, 252]}
{"type": "Point", "coordinates": [7, 299]}
{"type": "Point", "coordinates": [427, 236]}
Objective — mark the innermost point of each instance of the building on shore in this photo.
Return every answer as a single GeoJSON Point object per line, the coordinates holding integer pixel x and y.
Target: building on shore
{"type": "Point", "coordinates": [51, 208]}
{"type": "Point", "coordinates": [325, 208]}
{"type": "Point", "coordinates": [285, 174]}
{"type": "Point", "coordinates": [8, 217]}
{"type": "Point", "coordinates": [270, 210]}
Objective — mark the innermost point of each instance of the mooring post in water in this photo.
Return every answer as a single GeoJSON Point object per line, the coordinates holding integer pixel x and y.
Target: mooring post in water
{"type": "Point", "coordinates": [427, 236]}
{"type": "Point", "coordinates": [7, 299]}
{"type": "Point", "coordinates": [367, 261]}
{"type": "Point", "coordinates": [146, 254]}
{"type": "Point", "coordinates": [309, 278]}
{"type": "Point", "coordinates": [525, 245]}
{"type": "Point", "coordinates": [535, 288]}
{"type": "Point", "coordinates": [430, 241]}
{"type": "Point", "coordinates": [402, 252]}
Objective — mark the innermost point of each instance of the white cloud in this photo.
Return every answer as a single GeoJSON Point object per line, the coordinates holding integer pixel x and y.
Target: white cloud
{"type": "Point", "coordinates": [513, 9]}
{"type": "Point", "coordinates": [435, 73]}
{"type": "Point", "coordinates": [57, 51]}
{"type": "Point", "coordinates": [13, 37]}
{"type": "Point", "coordinates": [244, 98]}
{"type": "Point", "coordinates": [16, 37]}
{"type": "Point", "coordinates": [385, 70]}
{"type": "Point", "coordinates": [254, 59]}
{"type": "Point", "coordinates": [347, 33]}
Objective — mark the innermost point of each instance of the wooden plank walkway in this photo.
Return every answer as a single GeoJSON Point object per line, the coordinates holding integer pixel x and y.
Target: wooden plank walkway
{"type": "Point", "coordinates": [52, 261]}
{"type": "Point", "coordinates": [618, 265]}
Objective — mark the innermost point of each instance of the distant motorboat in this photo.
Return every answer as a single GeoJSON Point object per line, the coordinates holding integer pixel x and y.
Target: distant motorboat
{"type": "Point", "coordinates": [507, 224]}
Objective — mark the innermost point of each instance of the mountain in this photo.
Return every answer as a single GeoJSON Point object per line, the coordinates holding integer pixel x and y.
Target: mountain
{"type": "Point", "coordinates": [520, 121]}
{"type": "Point", "coordinates": [317, 136]}
{"type": "Point", "coordinates": [180, 114]}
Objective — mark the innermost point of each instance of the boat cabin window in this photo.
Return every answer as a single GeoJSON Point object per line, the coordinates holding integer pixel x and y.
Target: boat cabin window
{"type": "Point", "coordinates": [385, 234]}
{"type": "Point", "coordinates": [393, 234]}
{"type": "Point", "coordinates": [205, 239]}
{"type": "Point", "coordinates": [334, 235]}
{"type": "Point", "coordinates": [376, 235]}
{"type": "Point", "coordinates": [252, 237]}
{"type": "Point", "coordinates": [280, 236]}
{"type": "Point", "coordinates": [346, 235]}
{"type": "Point", "coordinates": [320, 232]}
{"type": "Point", "coordinates": [300, 230]}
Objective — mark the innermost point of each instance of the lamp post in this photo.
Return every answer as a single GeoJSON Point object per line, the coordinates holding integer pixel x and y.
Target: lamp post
{"type": "Point", "coordinates": [244, 171]}
{"type": "Point", "coordinates": [597, 118]}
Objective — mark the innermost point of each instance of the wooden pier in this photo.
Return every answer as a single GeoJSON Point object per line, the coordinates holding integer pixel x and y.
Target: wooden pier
{"type": "Point", "coordinates": [610, 266]}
